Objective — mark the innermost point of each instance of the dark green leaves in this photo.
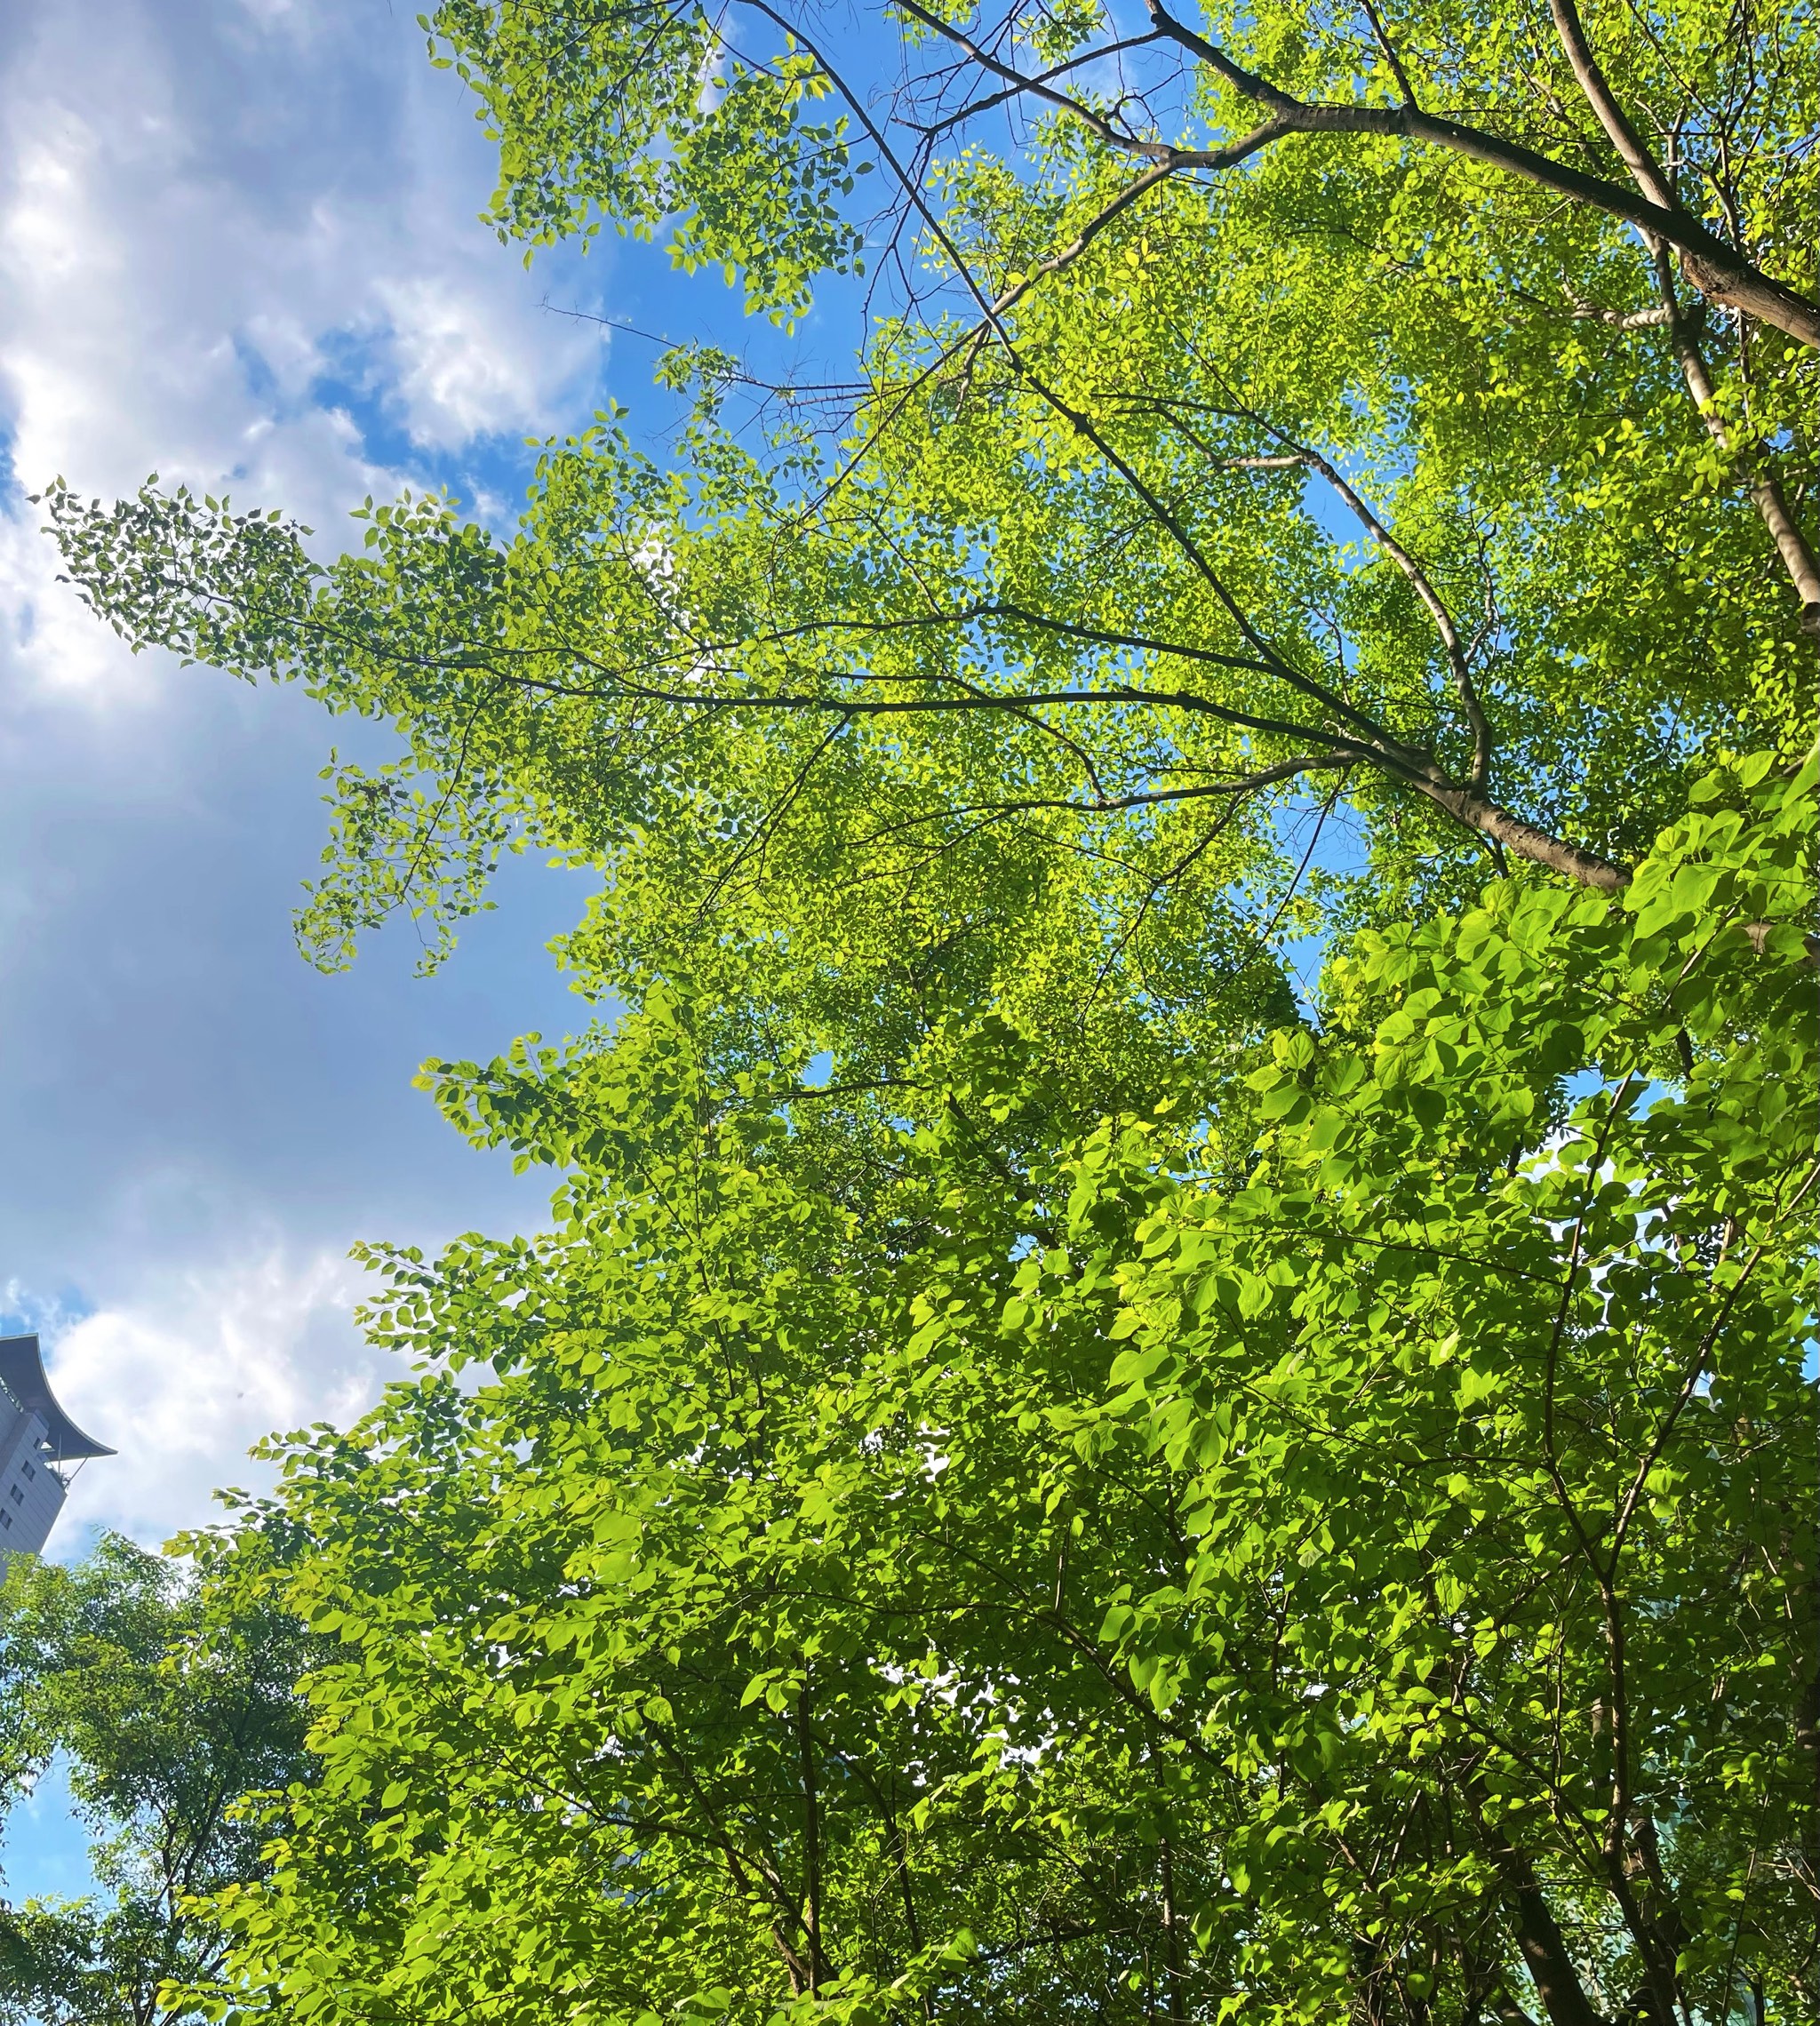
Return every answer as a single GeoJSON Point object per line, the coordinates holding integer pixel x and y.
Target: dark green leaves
{"type": "Point", "coordinates": [171, 1725]}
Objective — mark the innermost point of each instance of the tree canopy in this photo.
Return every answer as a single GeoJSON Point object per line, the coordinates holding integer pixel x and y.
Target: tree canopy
{"type": "Point", "coordinates": [1195, 476]}
{"type": "Point", "coordinates": [1352, 1555]}
{"type": "Point", "coordinates": [163, 1717]}
{"type": "Point", "coordinates": [1043, 1471]}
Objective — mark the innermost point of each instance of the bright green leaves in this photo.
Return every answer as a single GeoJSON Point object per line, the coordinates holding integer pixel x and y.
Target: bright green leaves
{"type": "Point", "coordinates": [393, 849]}
{"type": "Point", "coordinates": [1123, 1533]}
{"type": "Point", "coordinates": [764, 189]}
{"type": "Point", "coordinates": [1510, 1407]}
{"type": "Point", "coordinates": [642, 116]}
{"type": "Point", "coordinates": [729, 1569]}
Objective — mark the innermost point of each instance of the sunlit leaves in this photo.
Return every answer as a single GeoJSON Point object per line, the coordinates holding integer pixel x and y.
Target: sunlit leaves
{"type": "Point", "coordinates": [1034, 1564]}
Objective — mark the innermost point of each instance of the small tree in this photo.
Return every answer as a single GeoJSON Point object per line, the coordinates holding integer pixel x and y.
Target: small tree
{"type": "Point", "coordinates": [166, 1720]}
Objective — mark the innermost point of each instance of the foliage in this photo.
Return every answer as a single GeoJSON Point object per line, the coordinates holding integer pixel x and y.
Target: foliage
{"type": "Point", "coordinates": [1352, 1552]}
{"type": "Point", "coordinates": [163, 1719]}
{"type": "Point", "coordinates": [646, 118]}
{"type": "Point", "coordinates": [1117, 1498]}
{"type": "Point", "coordinates": [1176, 504]}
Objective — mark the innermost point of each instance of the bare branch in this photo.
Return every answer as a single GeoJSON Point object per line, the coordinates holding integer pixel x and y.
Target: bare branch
{"type": "Point", "coordinates": [1419, 582]}
{"type": "Point", "coordinates": [1619, 320]}
{"type": "Point", "coordinates": [1019, 82]}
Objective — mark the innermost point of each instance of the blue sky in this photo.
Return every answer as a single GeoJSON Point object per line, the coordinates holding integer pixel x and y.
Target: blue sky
{"type": "Point", "coordinates": [238, 246]}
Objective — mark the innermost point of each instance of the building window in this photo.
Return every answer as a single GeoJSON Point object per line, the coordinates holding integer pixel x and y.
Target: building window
{"type": "Point", "coordinates": [6, 1520]}
{"type": "Point", "coordinates": [27, 1472]}
{"type": "Point", "coordinates": [16, 1495]}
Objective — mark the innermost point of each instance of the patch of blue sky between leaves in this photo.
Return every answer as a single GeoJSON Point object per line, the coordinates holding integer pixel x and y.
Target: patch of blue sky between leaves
{"type": "Point", "coordinates": [487, 474]}
{"type": "Point", "coordinates": [1319, 835]}
{"type": "Point", "coordinates": [44, 1847]}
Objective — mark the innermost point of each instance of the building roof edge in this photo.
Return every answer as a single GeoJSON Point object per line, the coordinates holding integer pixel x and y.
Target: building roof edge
{"type": "Point", "coordinates": [22, 1374]}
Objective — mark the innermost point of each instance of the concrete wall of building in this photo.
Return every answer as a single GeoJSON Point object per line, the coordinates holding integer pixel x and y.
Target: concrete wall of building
{"type": "Point", "coordinates": [39, 1444]}
{"type": "Point", "coordinates": [31, 1493]}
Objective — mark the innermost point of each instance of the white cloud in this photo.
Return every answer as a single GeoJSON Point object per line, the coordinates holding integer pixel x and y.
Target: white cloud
{"type": "Point", "coordinates": [204, 213]}
{"type": "Point", "coordinates": [201, 1365]}
{"type": "Point", "coordinates": [464, 371]}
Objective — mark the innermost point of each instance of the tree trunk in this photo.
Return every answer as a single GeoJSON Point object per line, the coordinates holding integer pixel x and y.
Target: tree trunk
{"type": "Point", "coordinates": [1538, 1934]}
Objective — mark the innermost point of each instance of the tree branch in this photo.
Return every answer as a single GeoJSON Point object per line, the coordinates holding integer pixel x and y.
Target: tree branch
{"type": "Point", "coordinates": [1716, 268]}
{"type": "Point", "coordinates": [1592, 82]}
{"type": "Point", "coordinates": [1419, 581]}
{"type": "Point", "coordinates": [1765, 493]}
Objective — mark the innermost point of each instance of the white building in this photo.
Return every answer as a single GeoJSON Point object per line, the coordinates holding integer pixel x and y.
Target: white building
{"type": "Point", "coordinates": [40, 1445]}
